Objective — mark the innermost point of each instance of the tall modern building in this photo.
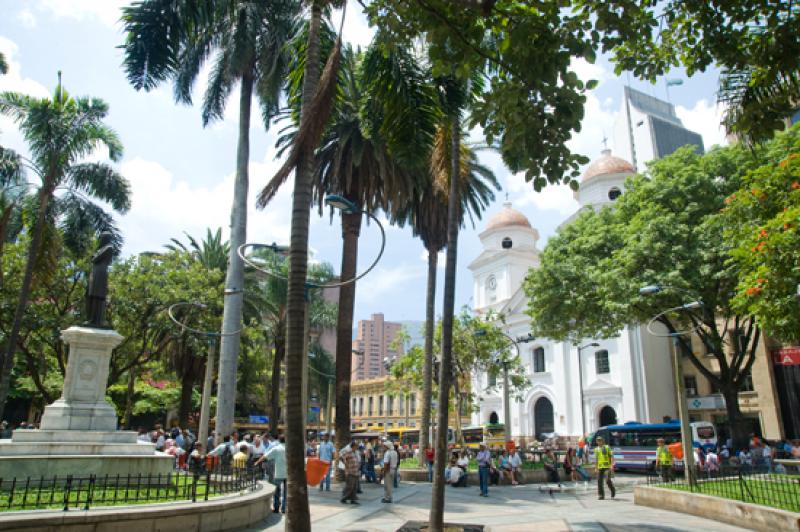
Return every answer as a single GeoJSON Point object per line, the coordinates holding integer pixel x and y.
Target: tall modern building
{"type": "Point", "coordinates": [648, 128]}
{"type": "Point", "coordinates": [374, 339]}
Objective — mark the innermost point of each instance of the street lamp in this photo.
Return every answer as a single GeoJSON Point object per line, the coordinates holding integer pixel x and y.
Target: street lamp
{"type": "Point", "coordinates": [506, 393]}
{"type": "Point", "coordinates": [580, 383]}
{"type": "Point", "coordinates": [677, 362]}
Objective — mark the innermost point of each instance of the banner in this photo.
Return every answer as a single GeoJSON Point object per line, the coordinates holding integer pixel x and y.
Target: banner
{"type": "Point", "coordinates": [787, 356]}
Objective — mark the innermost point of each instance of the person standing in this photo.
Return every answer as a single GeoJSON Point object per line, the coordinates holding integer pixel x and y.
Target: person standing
{"type": "Point", "coordinates": [663, 461]}
{"type": "Point", "coordinates": [325, 453]}
{"type": "Point", "coordinates": [484, 459]}
{"type": "Point", "coordinates": [604, 459]}
{"type": "Point", "coordinates": [390, 462]}
{"type": "Point", "coordinates": [277, 455]}
{"type": "Point", "coordinates": [430, 456]}
{"type": "Point", "coordinates": [352, 471]}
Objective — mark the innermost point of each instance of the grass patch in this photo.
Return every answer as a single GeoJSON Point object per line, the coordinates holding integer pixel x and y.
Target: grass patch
{"type": "Point", "coordinates": [776, 491]}
{"type": "Point", "coordinates": [56, 497]}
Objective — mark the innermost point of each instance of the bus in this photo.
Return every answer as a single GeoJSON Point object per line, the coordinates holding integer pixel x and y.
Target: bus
{"type": "Point", "coordinates": [634, 444]}
{"type": "Point", "coordinates": [492, 434]}
{"type": "Point", "coordinates": [408, 437]}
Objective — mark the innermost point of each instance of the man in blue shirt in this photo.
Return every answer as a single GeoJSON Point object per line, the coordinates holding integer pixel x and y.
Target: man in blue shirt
{"type": "Point", "coordinates": [325, 453]}
{"type": "Point", "coordinates": [484, 461]}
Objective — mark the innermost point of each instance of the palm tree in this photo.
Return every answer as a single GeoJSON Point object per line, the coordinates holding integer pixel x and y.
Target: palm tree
{"type": "Point", "coordinates": [357, 161]}
{"type": "Point", "coordinates": [60, 132]}
{"type": "Point", "coordinates": [3, 64]}
{"type": "Point", "coordinates": [246, 41]}
{"type": "Point", "coordinates": [427, 214]}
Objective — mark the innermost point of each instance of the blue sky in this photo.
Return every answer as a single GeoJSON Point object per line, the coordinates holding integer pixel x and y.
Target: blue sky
{"type": "Point", "coordinates": [182, 174]}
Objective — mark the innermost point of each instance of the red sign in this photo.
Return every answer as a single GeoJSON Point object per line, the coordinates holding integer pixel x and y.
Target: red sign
{"type": "Point", "coordinates": [787, 356]}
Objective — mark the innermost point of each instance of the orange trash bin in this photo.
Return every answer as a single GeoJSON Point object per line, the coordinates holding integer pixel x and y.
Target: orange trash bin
{"type": "Point", "coordinates": [316, 470]}
{"type": "Point", "coordinates": [676, 450]}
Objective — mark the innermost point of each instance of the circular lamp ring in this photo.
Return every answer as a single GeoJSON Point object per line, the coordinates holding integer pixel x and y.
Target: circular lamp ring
{"type": "Point", "coordinates": [676, 333]}
{"type": "Point", "coordinates": [240, 252]}
{"type": "Point", "coordinates": [185, 327]}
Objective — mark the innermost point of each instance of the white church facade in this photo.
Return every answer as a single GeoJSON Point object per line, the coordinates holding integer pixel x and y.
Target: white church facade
{"type": "Point", "coordinates": [625, 378]}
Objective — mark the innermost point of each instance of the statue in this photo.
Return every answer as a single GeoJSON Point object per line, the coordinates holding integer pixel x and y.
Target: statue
{"type": "Point", "coordinates": [97, 286]}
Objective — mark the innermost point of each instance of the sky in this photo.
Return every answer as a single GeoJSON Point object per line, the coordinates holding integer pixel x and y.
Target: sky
{"type": "Point", "coordinates": [182, 174]}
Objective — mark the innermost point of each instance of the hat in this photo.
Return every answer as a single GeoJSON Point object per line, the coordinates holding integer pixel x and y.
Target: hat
{"type": "Point", "coordinates": [482, 444]}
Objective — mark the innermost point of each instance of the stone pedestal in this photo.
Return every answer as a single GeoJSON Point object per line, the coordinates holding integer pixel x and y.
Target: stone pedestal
{"type": "Point", "coordinates": [83, 404]}
{"type": "Point", "coordinates": [78, 434]}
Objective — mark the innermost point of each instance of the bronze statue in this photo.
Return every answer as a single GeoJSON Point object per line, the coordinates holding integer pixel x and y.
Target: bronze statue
{"type": "Point", "coordinates": [97, 286]}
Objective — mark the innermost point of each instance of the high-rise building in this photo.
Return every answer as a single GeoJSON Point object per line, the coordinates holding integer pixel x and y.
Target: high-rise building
{"type": "Point", "coordinates": [648, 128]}
{"type": "Point", "coordinates": [374, 343]}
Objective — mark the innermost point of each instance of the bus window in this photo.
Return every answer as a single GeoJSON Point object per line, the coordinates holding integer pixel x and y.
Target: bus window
{"type": "Point", "coordinates": [705, 432]}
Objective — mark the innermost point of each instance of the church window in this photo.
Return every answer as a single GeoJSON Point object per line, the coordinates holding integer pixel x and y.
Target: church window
{"type": "Point", "coordinates": [538, 360]}
{"type": "Point", "coordinates": [601, 364]}
{"type": "Point", "coordinates": [614, 193]}
{"type": "Point", "coordinates": [491, 379]}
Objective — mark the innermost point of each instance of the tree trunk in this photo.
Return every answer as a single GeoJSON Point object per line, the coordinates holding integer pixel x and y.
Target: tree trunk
{"type": "Point", "coordinates": [427, 373]}
{"type": "Point", "coordinates": [234, 277]}
{"type": "Point", "coordinates": [185, 405]}
{"type": "Point", "coordinates": [275, 380]}
{"type": "Point", "coordinates": [739, 435]}
{"type": "Point", "coordinates": [7, 362]}
{"type": "Point", "coordinates": [436, 517]}
{"type": "Point", "coordinates": [459, 435]}
{"type": "Point", "coordinates": [298, 518]}
{"type": "Point", "coordinates": [129, 399]}
{"type": "Point", "coordinates": [351, 228]}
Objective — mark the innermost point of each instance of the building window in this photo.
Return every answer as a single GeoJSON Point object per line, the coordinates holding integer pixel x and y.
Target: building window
{"type": "Point", "coordinates": [360, 406]}
{"type": "Point", "coordinates": [355, 403]}
{"type": "Point", "coordinates": [690, 383]}
{"type": "Point", "coordinates": [390, 405]}
{"type": "Point", "coordinates": [413, 407]}
{"type": "Point", "coordinates": [614, 193]}
{"type": "Point", "coordinates": [538, 360]}
{"type": "Point", "coordinates": [380, 405]}
{"type": "Point", "coordinates": [601, 364]}
{"type": "Point", "coordinates": [491, 379]}
{"type": "Point", "coordinates": [402, 402]}
{"type": "Point", "coordinates": [369, 406]}
{"type": "Point", "coordinates": [747, 383]}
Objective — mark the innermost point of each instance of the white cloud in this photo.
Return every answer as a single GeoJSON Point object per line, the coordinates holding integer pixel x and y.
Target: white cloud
{"type": "Point", "coordinates": [704, 118]}
{"type": "Point", "coordinates": [106, 11]}
{"type": "Point", "coordinates": [587, 70]}
{"type": "Point", "coordinates": [385, 281]}
{"type": "Point", "coordinates": [164, 207]}
{"type": "Point", "coordinates": [26, 18]}
{"type": "Point", "coordinates": [356, 28]}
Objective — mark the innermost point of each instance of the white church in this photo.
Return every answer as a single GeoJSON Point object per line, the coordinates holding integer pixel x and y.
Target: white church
{"type": "Point", "coordinates": [626, 378]}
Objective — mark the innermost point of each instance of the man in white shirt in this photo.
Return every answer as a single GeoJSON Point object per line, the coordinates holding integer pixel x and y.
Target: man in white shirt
{"type": "Point", "coordinates": [390, 462]}
{"type": "Point", "coordinates": [454, 474]}
{"type": "Point", "coordinates": [516, 466]}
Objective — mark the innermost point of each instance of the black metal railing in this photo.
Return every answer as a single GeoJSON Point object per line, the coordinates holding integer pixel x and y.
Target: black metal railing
{"type": "Point", "coordinates": [753, 484]}
{"type": "Point", "coordinates": [82, 492]}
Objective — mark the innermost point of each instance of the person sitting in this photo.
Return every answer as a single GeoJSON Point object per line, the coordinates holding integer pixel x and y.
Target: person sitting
{"type": "Point", "coordinates": [456, 476]}
{"type": "Point", "coordinates": [505, 467]}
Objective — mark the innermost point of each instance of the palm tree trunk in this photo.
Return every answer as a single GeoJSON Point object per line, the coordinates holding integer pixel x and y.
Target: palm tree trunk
{"type": "Point", "coordinates": [234, 277]}
{"type": "Point", "coordinates": [351, 228]}
{"type": "Point", "coordinates": [275, 380]}
{"type": "Point", "coordinates": [427, 372]}
{"type": "Point", "coordinates": [436, 517]}
{"type": "Point", "coordinates": [298, 518]}
{"type": "Point", "coordinates": [7, 362]}
{"type": "Point", "coordinates": [185, 404]}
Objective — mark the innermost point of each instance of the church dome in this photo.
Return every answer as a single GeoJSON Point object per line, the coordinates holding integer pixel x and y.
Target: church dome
{"type": "Point", "coordinates": [508, 217]}
{"type": "Point", "coordinates": [608, 164]}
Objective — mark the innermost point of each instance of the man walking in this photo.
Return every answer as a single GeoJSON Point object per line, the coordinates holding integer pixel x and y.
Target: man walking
{"type": "Point", "coordinates": [390, 462]}
{"type": "Point", "coordinates": [277, 455]}
{"type": "Point", "coordinates": [325, 453]}
{"type": "Point", "coordinates": [484, 462]}
{"type": "Point", "coordinates": [604, 459]}
{"type": "Point", "coordinates": [663, 461]}
{"type": "Point", "coordinates": [352, 470]}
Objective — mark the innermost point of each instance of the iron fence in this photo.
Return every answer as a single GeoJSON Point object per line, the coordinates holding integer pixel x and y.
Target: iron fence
{"type": "Point", "coordinates": [758, 485]}
{"type": "Point", "coordinates": [76, 492]}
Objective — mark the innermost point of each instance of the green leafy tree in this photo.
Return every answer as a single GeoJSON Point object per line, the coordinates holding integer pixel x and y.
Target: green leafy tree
{"type": "Point", "coordinates": [762, 219]}
{"type": "Point", "coordinates": [665, 229]}
{"type": "Point", "coordinates": [60, 132]}
{"type": "Point", "coordinates": [246, 41]}
{"type": "Point", "coordinates": [754, 43]}
{"type": "Point", "coordinates": [3, 64]}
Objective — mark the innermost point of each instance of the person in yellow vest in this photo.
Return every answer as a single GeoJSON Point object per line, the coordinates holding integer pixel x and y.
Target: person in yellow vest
{"type": "Point", "coordinates": [663, 461]}
{"type": "Point", "coordinates": [604, 461]}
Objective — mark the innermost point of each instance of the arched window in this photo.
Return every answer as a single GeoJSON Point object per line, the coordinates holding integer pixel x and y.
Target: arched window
{"type": "Point", "coordinates": [543, 418]}
{"type": "Point", "coordinates": [608, 416]}
{"type": "Point", "coordinates": [601, 364]}
{"type": "Point", "coordinates": [538, 360]}
{"type": "Point", "coordinates": [614, 193]}
{"type": "Point", "coordinates": [493, 418]}
{"type": "Point", "coordinates": [491, 379]}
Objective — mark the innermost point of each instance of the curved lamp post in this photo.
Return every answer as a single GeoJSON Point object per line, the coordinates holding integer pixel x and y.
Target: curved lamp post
{"type": "Point", "coordinates": [211, 336]}
{"type": "Point", "coordinates": [347, 207]}
{"type": "Point", "coordinates": [580, 383]}
{"type": "Point", "coordinates": [506, 393]}
{"type": "Point", "coordinates": [677, 362]}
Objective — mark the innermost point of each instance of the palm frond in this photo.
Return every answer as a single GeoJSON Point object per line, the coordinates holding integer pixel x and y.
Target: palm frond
{"type": "Point", "coordinates": [102, 182]}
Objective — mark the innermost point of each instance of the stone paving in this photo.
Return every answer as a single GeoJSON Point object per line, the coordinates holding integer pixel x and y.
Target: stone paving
{"type": "Point", "coordinates": [507, 509]}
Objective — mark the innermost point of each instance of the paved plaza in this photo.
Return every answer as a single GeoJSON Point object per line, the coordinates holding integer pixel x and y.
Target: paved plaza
{"type": "Point", "coordinates": [508, 509]}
